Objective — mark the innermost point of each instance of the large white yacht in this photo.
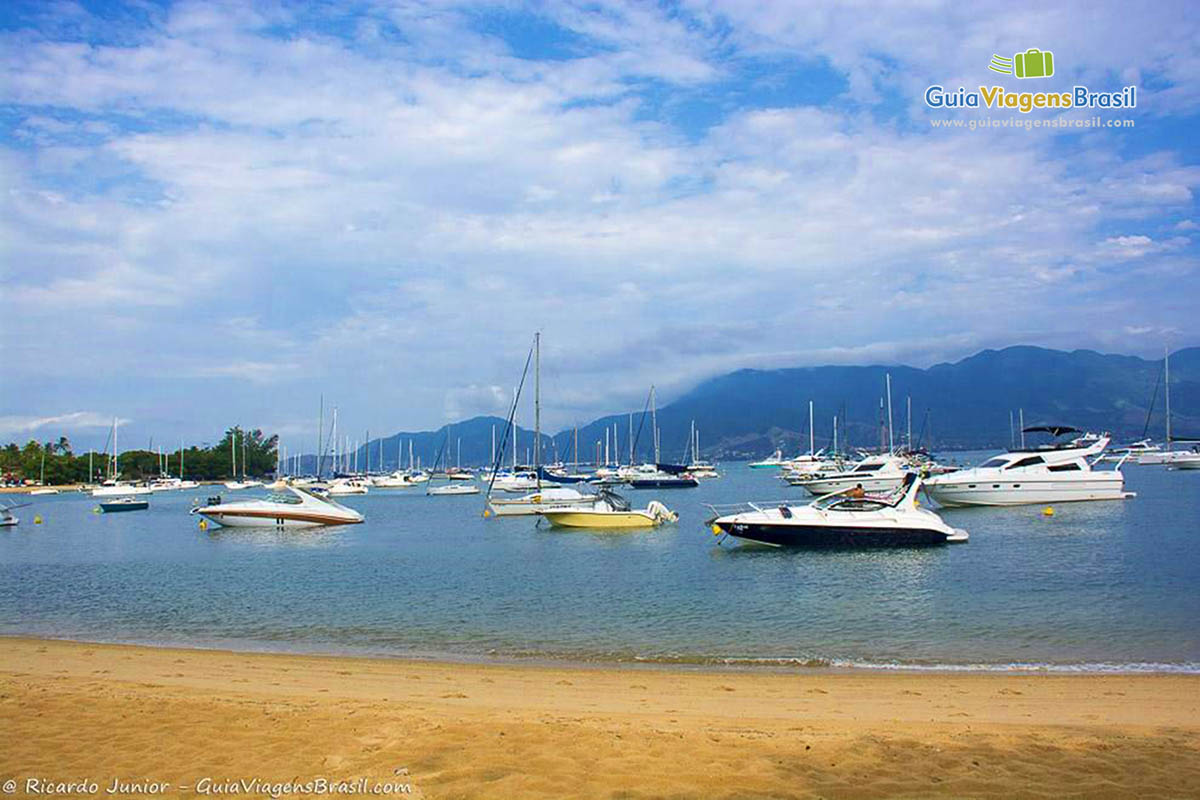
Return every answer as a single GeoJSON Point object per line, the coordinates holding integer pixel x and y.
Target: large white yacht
{"type": "Point", "coordinates": [1054, 473]}
{"type": "Point", "coordinates": [881, 473]}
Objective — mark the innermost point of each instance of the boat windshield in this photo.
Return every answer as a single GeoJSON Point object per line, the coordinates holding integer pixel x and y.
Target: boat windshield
{"type": "Point", "coordinates": [869, 467]}
{"type": "Point", "coordinates": [283, 497]}
{"type": "Point", "coordinates": [994, 462]}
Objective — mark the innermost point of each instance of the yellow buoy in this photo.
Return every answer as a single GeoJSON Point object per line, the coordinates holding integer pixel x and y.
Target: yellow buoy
{"type": "Point", "coordinates": [96, 510]}
{"type": "Point", "coordinates": [1047, 512]}
{"type": "Point", "coordinates": [487, 512]}
{"type": "Point", "coordinates": [203, 524]}
{"type": "Point", "coordinates": [37, 520]}
{"type": "Point", "coordinates": [716, 529]}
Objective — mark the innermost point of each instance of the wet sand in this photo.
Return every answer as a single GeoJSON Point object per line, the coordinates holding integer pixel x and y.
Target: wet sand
{"type": "Point", "coordinates": [197, 720]}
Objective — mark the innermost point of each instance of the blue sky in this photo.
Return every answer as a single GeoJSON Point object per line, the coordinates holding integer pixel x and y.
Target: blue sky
{"type": "Point", "coordinates": [214, 213]}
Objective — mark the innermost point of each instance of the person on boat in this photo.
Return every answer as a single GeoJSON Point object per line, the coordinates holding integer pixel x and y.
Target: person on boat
{"type": "Point", "coordinates": [858, 492]}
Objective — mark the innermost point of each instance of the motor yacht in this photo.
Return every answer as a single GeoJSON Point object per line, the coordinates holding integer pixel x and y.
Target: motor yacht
{"type": "Point", "coordinates": [662, 476]}
{"type": "Point", "coordinates": [345, 486]}
{"type": "Point", "coordinates": [610, 511]}
{"type": "Point", "coordinates": [873, 474]}
{"type": "Point", "coordinates": [549, 499]}
{"type": "Point", "coordinates": [848, 518]}
{"type": "Point", "coordinates": [296, 508]}
{"type": "Point", "coordinates": [452, 489]}
{"type": "Point", "coordinates": [1058, 472]}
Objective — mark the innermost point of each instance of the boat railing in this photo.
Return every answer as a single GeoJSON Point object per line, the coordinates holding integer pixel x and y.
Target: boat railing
{"type": "Point", "coordinates": [725, 509]}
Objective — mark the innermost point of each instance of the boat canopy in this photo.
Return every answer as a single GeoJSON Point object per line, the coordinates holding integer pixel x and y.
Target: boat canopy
{"type": "Point", "coordinates": [1053, 430]}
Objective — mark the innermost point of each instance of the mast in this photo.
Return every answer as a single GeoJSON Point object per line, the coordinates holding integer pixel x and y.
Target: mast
{"type": "Point", "coordinates": [515, 428]}
{"type": "Point", "coordinates": [537, 405]}
{"type": "Point", "coordinates": [1012, 432]}
{"type": "Point", "coordinates": [493, 461]}
{"type": "Point", "coordinates": [181, 459]}
{"type": "Point", "coordinates": [115, 465]}
{"type": "Point", "coordinates": [576, 448]}
{"type": "Point", "coordinates": [909, 423]}
{"type": "Point", "coordinates": [654, 423]}
{"type": "Point", "coordinates": [1167, 392]}
{"type": "Point", "coordinates": [321, 437]}
{"type": "Point", "coordinates": [631, 438]}
{"type": "Point", "coordinates": [233, 452]}
{"type": "Point", "coordinates": [1021, 414]}
{"type": "Point", "coordinates": [835, 443]}
{"type": "Point", "coordinates": [812, 442]}
{"type": "Point", "coordinates": [891, 444]}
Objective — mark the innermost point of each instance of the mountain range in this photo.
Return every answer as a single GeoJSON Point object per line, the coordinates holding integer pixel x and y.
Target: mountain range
{"type": "Point", "coordinates": [972, 403]}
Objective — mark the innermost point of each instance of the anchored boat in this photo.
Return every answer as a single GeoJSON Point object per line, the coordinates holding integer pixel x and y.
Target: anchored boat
{"type": "Point", "coordinates": [611, 510]}
{"type": "Point", "coordinates": [846, 519]}
{"type": "Point", "coordinates": [295, 509]}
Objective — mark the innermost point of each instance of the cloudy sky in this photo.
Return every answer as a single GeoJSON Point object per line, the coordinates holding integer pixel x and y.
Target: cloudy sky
{"type": "Point", "coordinates": [214, 213]}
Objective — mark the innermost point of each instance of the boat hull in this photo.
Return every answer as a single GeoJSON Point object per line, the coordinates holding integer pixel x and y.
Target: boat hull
{"type": "Point", "coordinates": [834, 536]}
{"type": "Point", "coordinates": [119, 491]}
{"type": "Point", "coordinates": [663, 483]}
{"type": "Point", "coordinates": [820, 487]}
{"type": "Point", "coordinates": [596, 519]}
{"type": "Point", "coordinates": [265, 519]}
{"type": "Point", "coordinates": [113, 508]}
{"type": "Point", "coordinates": [1023, 492]}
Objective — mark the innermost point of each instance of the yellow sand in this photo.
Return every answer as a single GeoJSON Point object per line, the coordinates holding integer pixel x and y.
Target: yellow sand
{"type": "Point", "coordinates": [72, 711]}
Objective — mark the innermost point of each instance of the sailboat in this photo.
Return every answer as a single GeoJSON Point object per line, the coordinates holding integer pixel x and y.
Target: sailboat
{"type": "Point", "coordinates": [43, 489]}
{"type": "Point", "coordinates": [112, 487]}
{"type": "Point", "coordinates": [1167, 455]}
{"type": "Point", "coordinates": [451, 487]}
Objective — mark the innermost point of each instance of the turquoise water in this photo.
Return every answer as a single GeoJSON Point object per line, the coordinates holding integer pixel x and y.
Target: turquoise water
{"type": "Point", "coordinates": [1111, 585]}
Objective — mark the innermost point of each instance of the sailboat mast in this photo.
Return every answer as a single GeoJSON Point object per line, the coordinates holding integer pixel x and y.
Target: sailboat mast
{"type": "Point", "coordinates": [812, 442]}
{"type": "Point", "coordinates": [321, 437]}
{"type": "Point", "coordinates": [654, 424]}
{"type": "Point", "coordinates": [1167, 392]}
{"type": "Point", "coordinates": [1021, 419]}
{"type": "Point", "coordinates": [835, 442]}
{"type": "Point", "coordinates": [537, 403]}
{"type": "Point", "coordinates": [233, 452]}
{"type": "Point", "coordinates": [910, 423]}
{"type": "Point", "coordinates": [891, 440]}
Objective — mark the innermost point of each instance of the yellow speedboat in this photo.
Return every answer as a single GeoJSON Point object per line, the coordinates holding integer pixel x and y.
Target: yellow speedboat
{"type": "Point", "coordinates": [610, 511]}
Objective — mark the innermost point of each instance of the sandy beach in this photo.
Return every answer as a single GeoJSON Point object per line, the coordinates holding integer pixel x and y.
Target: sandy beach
{"type": "Point", "coordinates": [194, 721]}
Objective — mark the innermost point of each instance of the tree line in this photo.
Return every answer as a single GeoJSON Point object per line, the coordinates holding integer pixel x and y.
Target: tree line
{"type": "Point", "coordinates": [64, 466]}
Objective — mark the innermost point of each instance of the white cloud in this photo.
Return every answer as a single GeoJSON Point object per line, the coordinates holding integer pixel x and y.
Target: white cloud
{"type": "Point", "coordinates": [72, 421]}
{"type": "Point", "coordinates": [389, 218]}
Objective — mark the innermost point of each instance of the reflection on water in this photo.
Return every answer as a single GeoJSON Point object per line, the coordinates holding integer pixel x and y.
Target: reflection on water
{"type": "Point", "coordinates": [1097, 583]}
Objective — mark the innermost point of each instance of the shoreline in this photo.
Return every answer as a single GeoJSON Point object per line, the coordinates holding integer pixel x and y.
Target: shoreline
{"type": "Point", "coordinates": [697, 664]}
{"type": "Point", "coordinates": [119, 712]}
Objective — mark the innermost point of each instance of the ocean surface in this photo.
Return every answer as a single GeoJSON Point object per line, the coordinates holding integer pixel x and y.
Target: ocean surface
{"type": "Point", "coordinates": [1098, 586]}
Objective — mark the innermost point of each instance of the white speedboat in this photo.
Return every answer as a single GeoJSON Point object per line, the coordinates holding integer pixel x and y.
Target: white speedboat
{"type": "Point", "coordinates": [452, 489]}
{"type": "Point", "coordinates": [773, 461]}
{"type": "Point", "coordinates": [1054, 473]}
{"type": "Point", "coordinates": [610, 511]}
{"type": "Point", "coordinates": [872, 474]}
{"type": "Point", "coordinates": [398, 480]}
{"type": "Point", "coordinates": [524, 481]}
{"type": "Point", "coordinates": [117, 489]}
{"type": "Point", "coordinates": [345, 486]}
{"type": "Point", "coordinates": [235, 486]}
{"type": "Point", "coordinates": [551, 498]}
{"type": "Point", "coordinates": [295, 509]}
{"type": "Point", "coordinates": [42, 491]}
{"type": "Point", "coordinates": [844, 519]}
{"type": "Point", "coordinates": [7, 518]}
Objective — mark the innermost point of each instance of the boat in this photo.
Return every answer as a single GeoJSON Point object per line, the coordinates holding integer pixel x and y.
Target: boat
{"type": "Point", "coordinates": [452, 489]}
{"type": "Point", "coordinates": [297, 508]}
{"type": "Point", "coordinates": [551, 498]}
{"type": "Point", "coordinates": [521, 481]}
{"type": "Point", "coordinates": [610, 510]}
{"type": "Point", "coordinates": [773, 461]}
{"type": "Point", "coordinates": [124, 504]}
{"type": "Point", "coordinates": [1057, 472]}
{"type": "Point", "coordinates": [42, 491]}
{"type": "Point", "coordinates": [113, 488]}
{"type": "Point", "coordinates": [399, 480]}
{"type": "Point", "coordinates": [849, 518]}
{"type": "Point", "coordinates": [872, 474]}
{"type": "Point", "coordinates": [662, 476]}
{"type": "Point", "coordinates": [7, 518]}
{"type": "Point", "coordinates": [344, 486]}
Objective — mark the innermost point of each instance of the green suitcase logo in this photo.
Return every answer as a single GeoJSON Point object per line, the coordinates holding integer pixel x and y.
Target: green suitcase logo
{"type": "Point", "coordinates": [1033, 63]}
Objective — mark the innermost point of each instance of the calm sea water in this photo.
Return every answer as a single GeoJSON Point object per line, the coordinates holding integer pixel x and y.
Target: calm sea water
{"type": "Point", "coordinates": [1112, 585]}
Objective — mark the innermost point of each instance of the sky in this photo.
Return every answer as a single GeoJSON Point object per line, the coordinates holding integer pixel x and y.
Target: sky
{"type": "Point", "coordinates": [219, 213]}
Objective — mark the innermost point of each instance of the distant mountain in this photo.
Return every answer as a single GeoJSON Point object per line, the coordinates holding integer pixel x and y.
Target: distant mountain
{"type": "Point", "coordinates": [966, 404]}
